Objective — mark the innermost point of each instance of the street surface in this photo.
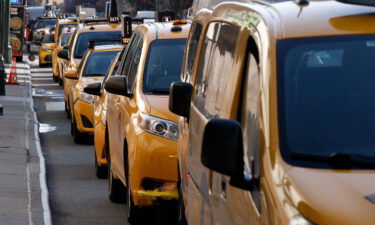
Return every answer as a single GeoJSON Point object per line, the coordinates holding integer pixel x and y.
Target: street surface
{"type": "Point", "coordinates": [76, 195]}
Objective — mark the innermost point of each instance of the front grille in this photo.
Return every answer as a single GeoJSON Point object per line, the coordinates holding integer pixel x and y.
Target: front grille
{"type": "Point", "coordinates": [86, 122]}
{"type": "Point", "coordinates": [48, 58]}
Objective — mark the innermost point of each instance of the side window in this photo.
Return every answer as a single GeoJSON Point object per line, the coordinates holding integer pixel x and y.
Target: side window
{"type": "Point", "coordinates": [82, 64]}
{"type": "Point", "coordinates": [191, 49]}
{"type": "Point", "coordinates": [134, 66]}
{"type": "Point", "coordinates": [129, 55]}
{"type": "Point", "coordinates": [249, 113]}
{"type": "Point", "coordinates": [215, 68]}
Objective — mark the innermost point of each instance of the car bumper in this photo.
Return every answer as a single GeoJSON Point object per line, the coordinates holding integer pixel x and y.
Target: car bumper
{"type": "Point", "coordinates": [99, 141]}
{"type": "Point", "coordinates": [154, 169]}
{"type": "Point", "coordinates": [45, 58]}
{"type": "Point", "coordinates": [83, 116]}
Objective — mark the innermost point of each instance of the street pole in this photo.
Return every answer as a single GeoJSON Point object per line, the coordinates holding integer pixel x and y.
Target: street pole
{"type": "Point", "coordinates": [5, 31]}
{"type": "Point", "coordinates": [1, 26]}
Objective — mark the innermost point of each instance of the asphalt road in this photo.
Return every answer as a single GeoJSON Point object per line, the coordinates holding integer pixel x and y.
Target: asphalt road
{"type": "Point", "coordinates": [76, 195]}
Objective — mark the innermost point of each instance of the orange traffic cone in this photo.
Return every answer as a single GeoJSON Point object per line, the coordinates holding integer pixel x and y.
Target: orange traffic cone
{"type": "Point", "coordinates": [13, 73]}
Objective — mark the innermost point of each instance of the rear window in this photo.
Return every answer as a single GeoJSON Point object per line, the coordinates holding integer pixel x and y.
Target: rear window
{"type": "Point", "coordinates": [48, 38]}
{"type": "Point", "coordinates": [84, 38]}
{"type": "Point", "coordinates": [98, 63]}
{"type": "Point", "coordinates": [163, 65]}
{"type": "Point", "coordinates": [62, 26]}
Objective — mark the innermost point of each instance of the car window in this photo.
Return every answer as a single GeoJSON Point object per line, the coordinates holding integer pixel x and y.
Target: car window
{"type": "Point", "coordinates": [191, 49]}
{"type": "Point", "coordinates": [48, 39]}
{"type": "Point", "coordinates": [62, 26]}
{"type": "Point", "coordinates": [134, 66]}
{"type": "Point", "coordinates": [325, 97]}
{"type": "Point", "coordinates": [130, 51]}
{"type": "Point", "coordinates": [84, 38]}
{"type": "Point", "coordinates": [98, 63]}
{"type": "Point", "coordinates": [163, 65]}
{"type": "Point", "coordinates": [215, 68]}
{"type": "Point", "coordinates": [64, 38]}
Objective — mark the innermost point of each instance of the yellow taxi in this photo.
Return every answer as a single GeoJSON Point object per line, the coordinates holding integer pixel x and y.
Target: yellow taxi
{"type": "Point", "coordinates": [142, 132]}
{"type": "Point", "coordinates": [72, 57]}
{"type": "Point", "coordinates": [62, 42]}
{"type": "Point", "coordinates": [93, 68]}
{"type": "Point", "coordinates": [45, 50]}
{"type": "Point", "coordinates": [100, 119]}
{"type": "Point", "coordinates": [277, 114]}
{"type": "Point", "coordinates": [70, 24]}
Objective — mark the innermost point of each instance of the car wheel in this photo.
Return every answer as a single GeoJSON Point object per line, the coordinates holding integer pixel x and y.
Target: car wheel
{"type": "Point", "coordinates": [56, 79]}
{"type": "Point", "coordinates": [101, 171]}
{"type": "Point", "coordinates": [61, 81]}
{"type": "Point", "coordinates": [67, 111]}
{"type": "Point", "coordinates": [116, 190]}
{"type": "Point", "coordinates": [181, 208]}
{"type": "Point", "coordinates": [78, 137]}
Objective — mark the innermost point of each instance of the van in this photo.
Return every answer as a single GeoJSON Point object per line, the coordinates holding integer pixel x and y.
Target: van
{"type": "Point", "coordinates": [276, 114]}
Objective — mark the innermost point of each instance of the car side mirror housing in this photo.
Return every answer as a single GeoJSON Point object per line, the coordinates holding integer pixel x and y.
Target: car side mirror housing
{"type": "Point", "coordinates": [63, 54]}
{"type": "Point", "coordinates": [117, 85]}
{"type": "Point", "coordinates": [71, 74]}
{"type": "Point", "coordinates": [222, 151]}
{"type": "Point", "coordinates": [93, 89]}
{"type": "Point", "coordinates": [180, 98]}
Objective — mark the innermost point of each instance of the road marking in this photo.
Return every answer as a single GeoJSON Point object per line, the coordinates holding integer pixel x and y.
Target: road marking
{"type": "Point", "coordinates": [55, 106]}
{"type": "Point", "coordinates": [13, 99]}
{"type": "Point", "coordinates": [42, 167]}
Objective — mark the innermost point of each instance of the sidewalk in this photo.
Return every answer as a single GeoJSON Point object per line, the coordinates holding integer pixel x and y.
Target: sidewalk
{"type": "Point", "coordinates": [23, 193]}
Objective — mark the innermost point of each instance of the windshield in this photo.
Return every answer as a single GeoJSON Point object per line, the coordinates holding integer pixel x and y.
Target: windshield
{"type": "Point", "coordinates": [98, 63]}
{"type": "Point", "coordinates": [83, 40]}
{"type": "Point", "coordinates": [48, 38]}
{"type": "Point", "coordinates": [326, 95]}
{"type": "Point", "coordinates": [46, 23]}
{"type": "Point", "coordinates": [163, 65]}
{"type": "Point", "coordinates": [64, 38]}
{"type": "Point", "coordinates": [62, 26]}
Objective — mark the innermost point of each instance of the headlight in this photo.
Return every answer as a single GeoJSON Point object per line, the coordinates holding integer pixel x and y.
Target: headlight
{"type": "Point", "coordinates": [85, 97]}
{"type": "Point", "coordinates": [299, 220]}
{"type": "Point", "coordinates": [47, 50]}
{"type": "Point", "coordinates": [157, 126]}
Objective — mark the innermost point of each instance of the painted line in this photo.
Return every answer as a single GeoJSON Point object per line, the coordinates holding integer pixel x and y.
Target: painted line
{"type": "Point", "coordinates": [42, 167]}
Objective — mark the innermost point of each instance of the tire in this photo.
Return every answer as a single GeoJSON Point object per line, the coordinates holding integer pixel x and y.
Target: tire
{"type": "Point", "coordinates": [116, 190]}
{"type": "Point", "coordinates": [100, 171]}
{"type": "Point", "coordinates": [61, 82]}
{"type": "Point", "coordinates": [181, 218]}
{"type": "Point", "coordinates": [78, 137]}
{"type": "Point", "coordinates": [134, 212]}
{"type": "Point", "coordinates": [56, 79]}
{"type": "Point", "coordinates": [67, 111]}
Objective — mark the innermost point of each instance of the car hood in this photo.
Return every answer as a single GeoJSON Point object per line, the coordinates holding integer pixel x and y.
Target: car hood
{"type": "Point", "coordinates": [159, 107]}
{"type": "Point", "coordinates": [333, 196]}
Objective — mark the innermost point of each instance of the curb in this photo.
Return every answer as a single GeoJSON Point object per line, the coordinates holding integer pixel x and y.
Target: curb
{"type": "Point", "coordinates": [42, 165]}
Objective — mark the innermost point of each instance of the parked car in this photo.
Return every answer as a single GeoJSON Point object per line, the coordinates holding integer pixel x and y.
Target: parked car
{"type": "Point", "coordinates": [45, 50]}
{"type": "Point", "coordinates": [62, 42]}
{"type": "Point", "coordinates": [277, 114]}
{"type": "Point", "coordinates": [95, 63]}
{"type": "Point", "coordinates": [142, 132]}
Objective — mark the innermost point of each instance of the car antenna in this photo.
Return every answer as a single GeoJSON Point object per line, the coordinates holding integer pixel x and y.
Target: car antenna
{"type": "Point", "coordinates": [301, 4]}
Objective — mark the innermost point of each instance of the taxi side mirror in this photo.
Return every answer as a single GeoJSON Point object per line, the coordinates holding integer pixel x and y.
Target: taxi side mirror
{"type": "Point", "coordinates": [117, 85]}
{"type": "Point", "coordinates": [71, 74]}
{"type": "Point", "coordinates": [93, 89]}
{"type": "Point", "coordinates": [180, 98]}
{"type": "Point", "coordinates": [222, 151]}
{"type": "Point", "coordinates": [63, 54]}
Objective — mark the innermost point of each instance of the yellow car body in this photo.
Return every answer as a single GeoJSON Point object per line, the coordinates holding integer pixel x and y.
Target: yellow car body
{"type": "Point", "coordinates": [95, 63]}
{"type": "Point", "coordinates": [247, 67]}
{"type": "Point", "coordinates": [45, 50]}
{"type": "Point", "coordinates": [57, 63]}
{"type": "Point", "coordinates": [139, 158]}
{"type": "Point", "coordinates": [106, 30]}
{"type": "Point", "coordinates": [63, 25]}
{"type": "Point", "coordinates": [100, 122]}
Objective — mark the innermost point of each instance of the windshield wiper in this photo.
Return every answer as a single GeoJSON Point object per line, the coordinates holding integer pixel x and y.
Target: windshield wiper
{"type": "Point", "coordinates": [339, 160]}
{"type": "Point", "coordinates": [159, 91]}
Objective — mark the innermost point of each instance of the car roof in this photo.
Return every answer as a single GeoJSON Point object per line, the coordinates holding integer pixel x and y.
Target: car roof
{"type": "Point", "coordinates": [163, 30]}
{"type": "Point", "coordinates": [96, 27]}
{"type": "Point", "coordinates": [317, 18]}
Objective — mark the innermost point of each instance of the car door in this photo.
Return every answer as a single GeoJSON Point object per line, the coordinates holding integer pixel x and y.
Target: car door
{"type": "Point", "coordinates": [117, 112]}
{"type": "Point", "coordinates": [213, 94]}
